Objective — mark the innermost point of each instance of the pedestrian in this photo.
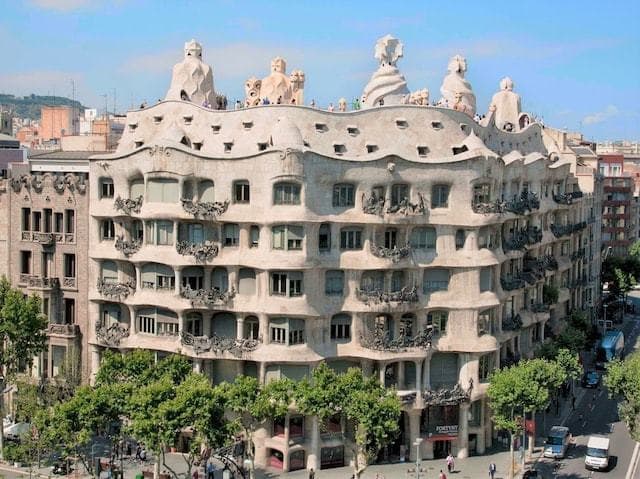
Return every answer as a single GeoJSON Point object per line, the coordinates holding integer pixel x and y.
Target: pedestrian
{"type": "Point", "coordinates": [211, 470]}
{"type": "Point", "coordinates": [492, 470]}
{"type": "Point", "coordinates": [573, 402]}
{"type": "Point", "coordinates": [138, 451]}
{"type": "Point", "coordinates": [442, 475]}
{"type": "Point", "coordinates": [312, 474]}
{"type": "Point", "coordinates": [450, 464]}
{"type": "Point", "coordinates": [194, 474]}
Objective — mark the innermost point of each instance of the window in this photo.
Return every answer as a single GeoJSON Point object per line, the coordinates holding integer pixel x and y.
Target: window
{"type": "Point", "coordinates": [372, 281]}
{"type": "Point", "coordinates": [398, 194]}
{"type": "Point", "coordinates": [251, 328]}
{"type": "Point", "coordinates": [231, 233]}
{"type": "Point", "coordinates": [193, 277]}
{"type": "Point", "coordinates": [440, 196]}
{"type": "Point", "coordinates": [350, 238]}
{"type": "Point", "coordinates": [241, 192]}
{"type": "Point", "coordinates": [486, 279]}
{"type": "Point", "coordinates": [460, 238]}
{"type": "Point", "coordinates": [158, 276]}
{"type": "Point", "coordinates": [339, 148]}
{"type": "Point", "coordinates": [48, 215]}
{"type": "Point", "coordinates": [194, 324]}
{"type": "Point", "coordinates": [107, 230]}
{"type": "Point", "coordinates": [109, 272]}
{"type": "Point", "coordinates": [423, 151]}
{"type": "Point", "coordinates": [70, 221]}
{"type": "Point", "coordinates": [69, 311]}
{"type": "Point", "coordinates": [486, 322]}
{"type": "Point", "coordinates": [287, 331]}
{"type": "Point", "coordinates": [324, 237]}
{"type": "Point", "coordinates": [343, 195]}
{"type": "Point", "coordinates": [391, 238]}
{"type": "Point", "coordinates": [481, 193]}
{"type": "Point", "coordinates": [286, 283]}
{"type": "Point", "coordinates": [69, 265]}
{"type": "Point", "coordinates": [286, 194]}
{"type": "Point", "coordinates": [58, 222]}
{"type": "Point", "coordinates": [159, 232]}
{"type": "Point", "coordinates": [206, 192]}
{"type": "Point", "coordinates": [25, 262]}
{"type": "Point", "coordinates": [26, 219]}
{"type": "Point", "coordinates": [423, 238]}
{"type": "Point", "coordinates": [147, 322]}
{"type": "Point", "coordinates": [287, 237]}
{"type": "Point", "coordinates": [246, 281]}
{"type": "Point", "coordinates": [106, 188]}
{"type": "Point", "coordinates": [136, 188]}
{"type": "Point", "coordinates": [485, 367]}
{"type": "Point", "coordinates": [254, 236]}
{"type": "Point", "coordinates": [37, 221]}
{"type": "Point", "coordinates": [334, 283]}
{"type": "Point", "coordinates": [193, 232]}
{"type": "Point", "coordinates": [438, 321]}
{"type": "Point", "coordinates": [162, 190]}
{"type": "Point", "coordinates": [435, 279]}
{"type": "Point", "coordinates": [341, 326]}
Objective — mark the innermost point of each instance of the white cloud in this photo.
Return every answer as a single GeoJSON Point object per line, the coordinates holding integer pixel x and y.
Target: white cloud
{"type": "Point", "coordinates": [62, 5]}
{"type": "Point", "coordinates": [609, 112]}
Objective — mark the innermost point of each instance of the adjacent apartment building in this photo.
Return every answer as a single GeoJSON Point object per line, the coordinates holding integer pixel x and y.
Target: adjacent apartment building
{"type": "Point", "coordinates": [404, 239]}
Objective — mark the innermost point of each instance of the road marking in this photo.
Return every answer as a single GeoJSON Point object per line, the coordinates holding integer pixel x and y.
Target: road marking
{"type": "Point", "coordinates": [600, 393]}
{"type": "Point", "coordinates": [633, 464]}
{"type": "Point", "coordinates": [584, 424]}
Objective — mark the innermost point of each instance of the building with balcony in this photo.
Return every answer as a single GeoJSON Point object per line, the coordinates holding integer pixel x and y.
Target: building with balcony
{"type": "Point", "coordinates": [406, 240]}
{"type": "Point", "coordinates": [47, 202]}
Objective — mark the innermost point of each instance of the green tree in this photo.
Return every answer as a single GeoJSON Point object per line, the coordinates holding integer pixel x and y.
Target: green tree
{"type": "Point", "coordinates": [623, 379]}
{"type": "Point", "coordinates": [569, 362]}
{"type": "Point", "coordinates": [512, 393]}
{"type": "Point", "coordinates": [22, 335]}
{"type": "Point", "coordinates": [253, 404]}
{"type": "Point", "coordinates": [374, 411]}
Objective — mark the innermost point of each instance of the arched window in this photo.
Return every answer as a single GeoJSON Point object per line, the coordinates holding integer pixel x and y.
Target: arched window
{"type": "Point", "coordinates": [220, 279]}
{"type": "Point", "coordinates": [206, 191]}
{"type": "Point", "coordinates": [286, 194]}
{"type": "Point", "coordinates": [162, 190]}
{"type": "Point", "coordinates": [109, 272]}
{"type": "Point", "coordinates": [341, 326]}
{"type": "Point", "coordinates": [423, 238]}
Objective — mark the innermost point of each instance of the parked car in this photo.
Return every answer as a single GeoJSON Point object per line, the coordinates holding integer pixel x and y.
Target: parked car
{"type": "Point", "coordinates": [530, 474]}
{"type": "Point", "coordinates": [590, 379]}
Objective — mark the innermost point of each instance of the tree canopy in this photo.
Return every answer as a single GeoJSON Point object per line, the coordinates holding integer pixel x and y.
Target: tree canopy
{"type": "Point", "coordinates": [623, 378]}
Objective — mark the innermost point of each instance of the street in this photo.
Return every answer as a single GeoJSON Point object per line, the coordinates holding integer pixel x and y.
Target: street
{"type": "Point", "coordinates": [597, 414]}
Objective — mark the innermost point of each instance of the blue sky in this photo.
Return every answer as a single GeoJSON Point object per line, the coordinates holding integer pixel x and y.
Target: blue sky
{"type": "Point", "coordinates": [576, 63]}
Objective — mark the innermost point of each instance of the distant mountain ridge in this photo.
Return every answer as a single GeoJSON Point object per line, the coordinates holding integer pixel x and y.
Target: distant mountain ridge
{"type": "Point", "coordinates": [29, 106]}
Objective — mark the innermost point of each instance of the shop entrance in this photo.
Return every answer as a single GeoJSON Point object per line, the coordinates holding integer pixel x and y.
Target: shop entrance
{"type": "Point", "coordinates": [441, 449]}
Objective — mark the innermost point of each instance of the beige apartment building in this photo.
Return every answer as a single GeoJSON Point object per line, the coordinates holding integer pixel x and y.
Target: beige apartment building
{"type": "Point", "coordinates": [46, 199]}
{"type": "Point", "coordinates": [407, 240]}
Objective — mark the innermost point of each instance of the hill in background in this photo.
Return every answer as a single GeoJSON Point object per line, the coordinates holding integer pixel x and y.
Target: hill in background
{"type": "Point", "coordinates": [29, 106]}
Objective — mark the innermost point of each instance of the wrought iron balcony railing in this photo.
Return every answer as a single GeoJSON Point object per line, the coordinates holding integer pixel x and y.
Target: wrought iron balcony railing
{"type": "Point", "coordinates": [527, 201]}
{"type": "Point", "coordinates": [218, 344]}
{"type": "Point", "coordinates": [112, 335]}
{"type": "Point", "coordinates": [564, 230]}
{"type": "Point", "coordinates": [43, 282]}
{"type": "Point", "coordinates": [510, 283]}
{"type": "Point", "coordinates": [549, 262]}
{"type": "Point", "coordinates": [376, 296]}
{"type": "Point", "coordinates": [63, 329]}
{"type": "Point", "coordinates": [394, 254]}
{"type": "Point", "coordinates": [203, 209]}
{"type": "Point", "coordinates": [128, 248]}
{"type": "Point", "coordinates": [578, 254]}
{"type": "Point", "coordinates": [115, 290]}
{"type": "Point", "coordinates": [447, 396]}
{"type": "Point", "coordinates": [127, 205]}
{"type": "Point", "coordinates": [512, 323]}
{"type": "Point", "coordinates": [492, 207]}
{"type": "Point", "coordinates": [567, 198]}
{"type": "Point", "coordinates": [539, 308]}
{"type": "Point", "coordinates": [380, 340]}
{"type": "Point", "coordinates": [202, 252]}
{"type": "Point", "coordinates": [206, 297]}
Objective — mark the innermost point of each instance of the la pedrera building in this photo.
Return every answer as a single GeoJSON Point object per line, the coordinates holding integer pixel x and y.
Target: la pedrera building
{"type": "Point", "coordinates": [406, 239]}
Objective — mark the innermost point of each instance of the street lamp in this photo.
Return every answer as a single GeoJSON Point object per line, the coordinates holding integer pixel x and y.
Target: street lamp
{"type": "Point", "coordinates": [417, 443]}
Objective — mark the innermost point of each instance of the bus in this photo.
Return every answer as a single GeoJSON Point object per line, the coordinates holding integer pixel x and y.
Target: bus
{"type": "Point", "coordinates": [611, 346]}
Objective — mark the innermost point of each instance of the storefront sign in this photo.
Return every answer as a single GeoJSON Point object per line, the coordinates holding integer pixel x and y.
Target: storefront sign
{"type": "Point", "coordinates": [446, 430]}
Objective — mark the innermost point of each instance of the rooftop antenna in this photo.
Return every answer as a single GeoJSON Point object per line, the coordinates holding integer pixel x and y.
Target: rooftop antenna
{"type": "Point", "coordinates": [114, 101]}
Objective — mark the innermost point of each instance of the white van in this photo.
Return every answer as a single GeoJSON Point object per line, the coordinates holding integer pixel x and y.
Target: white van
{"type": "Point", "coordinates": [597, 453]}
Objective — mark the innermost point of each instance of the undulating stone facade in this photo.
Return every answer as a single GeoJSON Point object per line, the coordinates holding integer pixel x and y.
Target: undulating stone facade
{"type": "Point", "coordinates": [408, 240]}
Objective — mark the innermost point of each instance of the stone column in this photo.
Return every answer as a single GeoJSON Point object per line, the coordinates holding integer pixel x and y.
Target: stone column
{"type": "Point", "coordinates": [262, 371]}
{"type": "Point", "coordinates": [178, 279]}
{"type": "Point", "coordinates": [95, 361]}
{"type": "Point", "coordinates": [138, 269]}
{"type": "Point", "coordinates": [480, 441]}
{"type": "Point", "coordinates": [263, 321]}
{"type": "Point", "coordinates": [285, 462]}
{"type": "Point", "coordinates": [181, 322]}
{"type": "Point", "coordinates": [426, 374]}
{"type": "Point", "coordinates": [400, 379]}
{"type": "Point", "coordinates": [313, 460]}
{"type": "Point", "coordinates": [197, 365]}
{"type": "Point", "coordinates": [367, 367]}
{"type": "Point", "coordinates": [463, 430]}
{"type": "Point", "coordinates": [414, 432]}
{"type": "Point", "coordinates": [239, 327]}
{"type": "Point", "coordinates": [383, 366]}
{"type": "Point", "coordinates": [133, 326]}
{"type": "Point", "coordinates": [206, 283]}
{"type": "Point", "coordinates": [419, 399]}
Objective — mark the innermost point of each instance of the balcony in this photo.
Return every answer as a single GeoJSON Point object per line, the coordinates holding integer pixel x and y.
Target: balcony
{"type": "Point", "coordinates": [218, 344]}
{"type": "Point", "coordinates": [522, 238]}
{"type": "Point", "coordinates": [512, 282]}
{"type": "Point", "coordinates": [447, 396]}
{"type": "Point", "coordinates": [202, 252]}
{"type": "Point", "coordinates": [528, 201]}
{"type": "Point", "coordinates": [68, 330]}
{"type": "Point", "coordinates": [128, 248]}
{"type": "Point", "coordinates": [512, 323]}
{"type": "Point", "coordinates": [539, 308]}
{"type": "Point", "coordinates": [40, 282]}
{"type": "Point", "coordinates": [128, 206]}
{"type": "Point", "coordinates": [395, 254]}
{"type": "Point", "coordinates": [579, 254]}
{"type": "Point", "coordinates": [46, 239]}
{"type": "Point", "coordinates": [207, 297]}
{"type": "Point", "coordinates": [118, 291]}
{"type": "Point", "coordinates": [112, 335]}
{"type": "Point", "coordinates": [69, 282]}
{"type": "Point", "coordinates": [567, 198]}
{"type": "Point", "coordinates": [565, 230]}
{"type": "Point", "coordinates": [203, 209]}
{"type": "Point", "coordinates": [380, 340]}
{"type": "Point", "coordinates": [379, 296]}
{"type": "Point", "coordinates": [492, 207]}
